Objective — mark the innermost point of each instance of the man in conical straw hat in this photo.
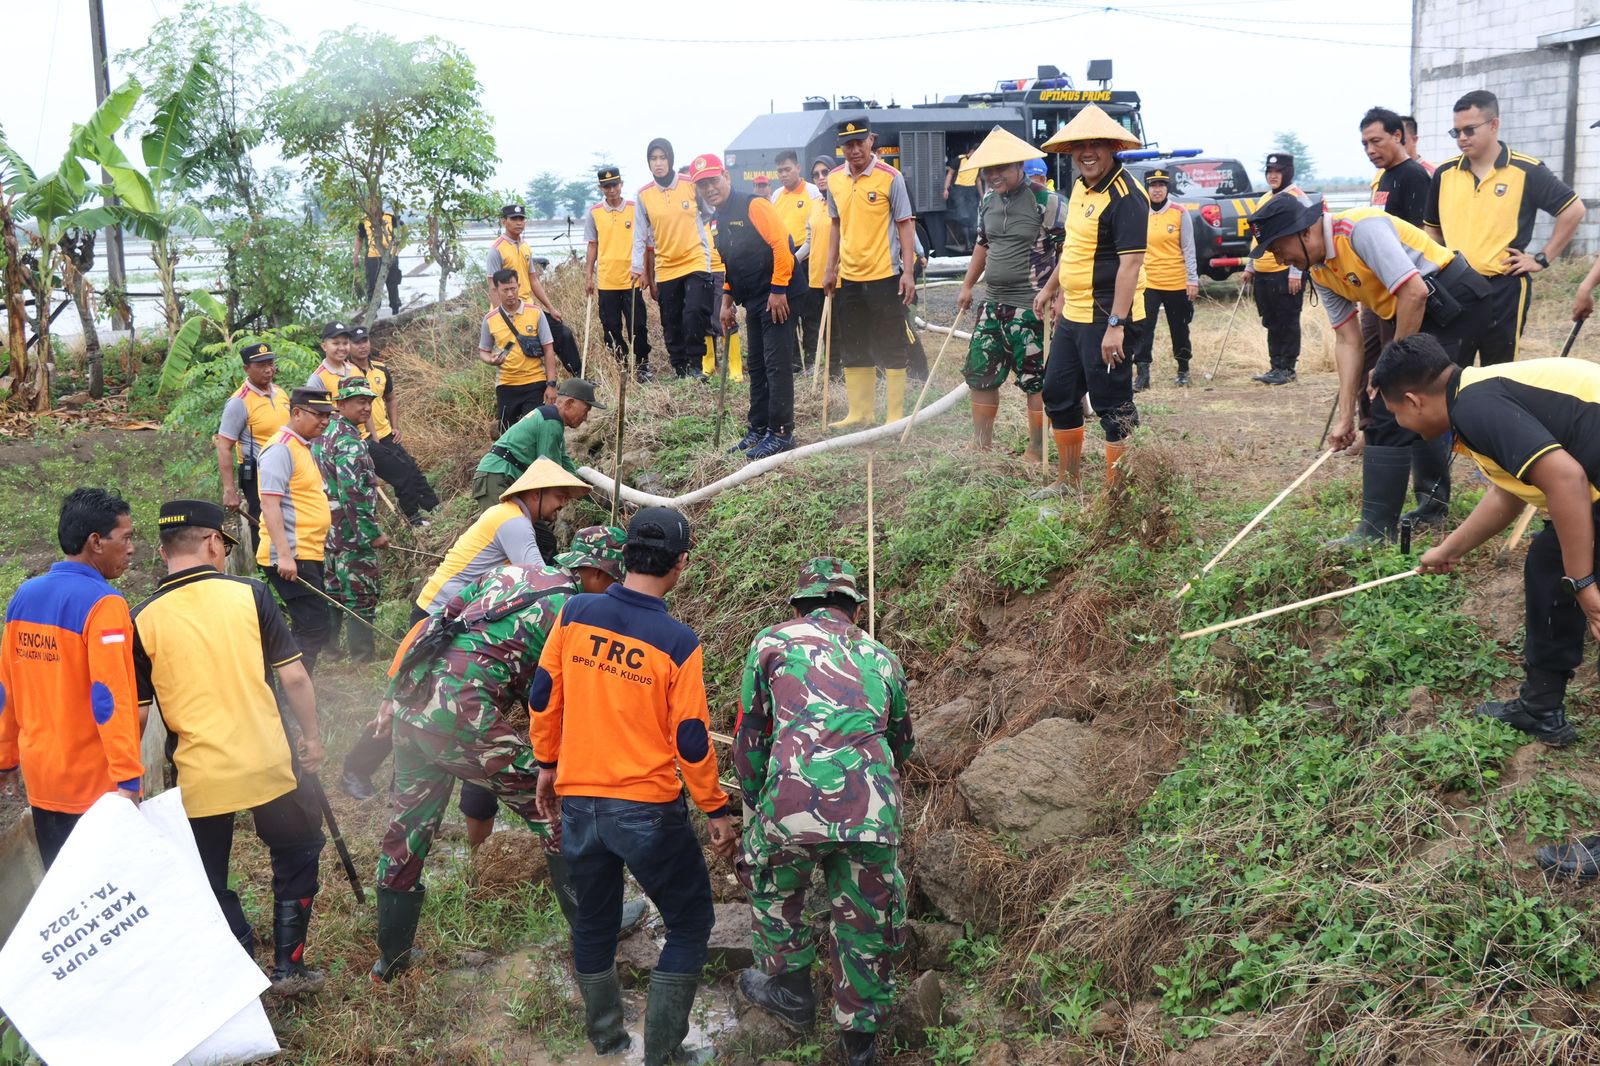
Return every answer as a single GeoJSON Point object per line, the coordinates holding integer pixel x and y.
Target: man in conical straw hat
{"type": "Point", "coordinates": [1098, 286]}
{"type": "Point", "coordinates": [1019, 239]}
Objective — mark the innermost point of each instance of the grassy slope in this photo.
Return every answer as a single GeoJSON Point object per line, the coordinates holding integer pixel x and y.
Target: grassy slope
{"type": "Point", "coordinates": [1338, 863]}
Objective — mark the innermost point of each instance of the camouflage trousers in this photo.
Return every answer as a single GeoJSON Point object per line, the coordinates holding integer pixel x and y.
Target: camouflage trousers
{"type": "Point", "coordinates": [1007, 340]}
{"type": "Point", "coordinates": [354, 578]}
{"type": "Point", "coordinates": [427, 765]}
{"type": "Point", "coordinates": [868, 899]}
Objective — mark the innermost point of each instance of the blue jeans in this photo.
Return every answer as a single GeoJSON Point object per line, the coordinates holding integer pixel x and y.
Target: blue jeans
{"type": "Point", "coordinates": [655, 842]}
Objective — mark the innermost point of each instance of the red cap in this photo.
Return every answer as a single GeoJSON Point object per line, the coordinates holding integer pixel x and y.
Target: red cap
{"type": "Point", "coordinates": [706, 166]}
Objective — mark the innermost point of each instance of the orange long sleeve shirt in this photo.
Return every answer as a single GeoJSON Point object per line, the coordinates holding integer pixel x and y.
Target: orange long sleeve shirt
{"type": "Point", "coordinates": [618, 705]}
{"type": "Point", "coordinates": [68, 709]}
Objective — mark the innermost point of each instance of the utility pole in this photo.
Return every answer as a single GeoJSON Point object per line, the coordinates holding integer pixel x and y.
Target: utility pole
{"type": "Point", "coordinates": [115, 266]}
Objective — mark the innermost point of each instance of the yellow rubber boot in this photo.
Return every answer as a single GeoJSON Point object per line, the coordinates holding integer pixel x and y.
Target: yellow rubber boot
{"type": "Point", "coordinates": [894, 395]}
{"type": "Point", "coordinates": [861, 386]}
{"type": "Point", "coordinates": [708, 362]}
{"type": "Point", "coordinates": [735, 359]}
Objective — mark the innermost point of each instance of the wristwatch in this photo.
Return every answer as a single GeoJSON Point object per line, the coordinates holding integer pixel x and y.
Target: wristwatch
{"type": "Point", "coordinates": [1576, 586]}
{"type": "Point", "coordinates": [1113, 321]}
{"type": "Point", "coordinates": [1542, 259]}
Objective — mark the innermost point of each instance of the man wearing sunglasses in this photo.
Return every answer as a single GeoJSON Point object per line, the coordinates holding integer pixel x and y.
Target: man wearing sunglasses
{"type": "Point", "coordinates": [1482, 204]}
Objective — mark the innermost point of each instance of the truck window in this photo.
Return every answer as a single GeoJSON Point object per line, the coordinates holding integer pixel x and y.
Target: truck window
{"type": "Point", "coordinates": [1210, 177]}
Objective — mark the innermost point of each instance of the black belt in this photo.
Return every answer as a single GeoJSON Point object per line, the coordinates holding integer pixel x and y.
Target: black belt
{"type": "Point", "coordinates": [505, 453]}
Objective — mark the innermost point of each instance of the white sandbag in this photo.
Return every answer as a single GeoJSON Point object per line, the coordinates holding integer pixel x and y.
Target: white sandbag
{"type": "Point", "coordinates": [123, 954]}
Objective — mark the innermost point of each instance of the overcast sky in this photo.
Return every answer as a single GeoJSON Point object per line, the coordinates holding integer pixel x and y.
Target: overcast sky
{"type": "Point", "coordinates": [563, 81]}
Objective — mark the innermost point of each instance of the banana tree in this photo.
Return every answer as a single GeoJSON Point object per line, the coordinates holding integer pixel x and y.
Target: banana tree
{"type": "Point", "coordinates": [174, 166]}
{"type": "Point", "coordinates": [209, 311]}
{"type": "Point", "coordinates": [55, 203]}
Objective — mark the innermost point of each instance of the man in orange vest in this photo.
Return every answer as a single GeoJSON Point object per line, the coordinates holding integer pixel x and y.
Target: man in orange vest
{"type": "Point", "coordinates": [1171, 281]}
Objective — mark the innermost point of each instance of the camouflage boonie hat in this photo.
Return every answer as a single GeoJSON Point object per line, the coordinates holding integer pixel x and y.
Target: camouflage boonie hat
{"type": "Point", "coordinates": [355, 389]}
{"type": "Point", "coordinates": [825, 575]}
{"type": "Point", "coordinates": [596, 546]}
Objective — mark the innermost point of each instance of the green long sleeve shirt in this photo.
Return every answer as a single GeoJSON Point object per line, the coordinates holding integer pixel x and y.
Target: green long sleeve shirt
{"type": "Point", "coordinates": [539, 433]}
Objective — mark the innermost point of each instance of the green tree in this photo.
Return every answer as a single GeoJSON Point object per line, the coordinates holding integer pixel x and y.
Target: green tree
{"type": "Point", "coordinates": [55, 203]}
{"type": "Point", "coordinates": [366, 112]}
{"type": "Point", "coordinates": [1305, 164]}
{"type": "Point", "coordinates": [577, 195]}
{"type": "Point", "coordinates": [544, 194]}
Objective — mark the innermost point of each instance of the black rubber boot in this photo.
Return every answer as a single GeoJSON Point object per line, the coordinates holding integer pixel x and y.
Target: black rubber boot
{"type": "Point", "coordinates": [355, 786]}
{"type": "Point", "coordinates": [857, 1048]}
{"type": "Point", "coordinates": [397, 931]}
{"type": "Point", "coordinates": [1141, 377]}
{"type": "Point", "coordinates": [1539, 710]}
{"type": "Point", "coordinates": [633, 910]}
{"type": "Point", "coordinates": [1580, 860]}
{"type": "Point", "coordinates": [358, 639]}
{"type": "Point", "coordinates": [1430, 476]}
{"type": "Point", "coordinates": [666, 1019]}
{"type": "Point", "coordinates": [1385, 473]}
{"type": "Point", "coordinates": [602, 1010]}
{"type": "Point", "coordinates": [290, 977]}
{"type": "Point", "coordinates": [787, 997]}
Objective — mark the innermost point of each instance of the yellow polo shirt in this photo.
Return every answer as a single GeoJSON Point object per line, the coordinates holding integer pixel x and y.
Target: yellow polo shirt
{"type": "Point", "coordinates": [1163, 256]}
{"type": "Point", "coordinates": [668, 220]}
{"type": "Point", "coordinates": [1484, 219]}
{"type": "Point", "coordinates": [867, 207]}
{"type": "Point", "coordinates": [612, 231]}
{"type": "Point", "coordinates": [794, 211]}
{"type": "Point", "coordinates": [513, 255]}
{"type": "Point", "coordinates": [821, 241]}
{"type": "Point", "coordinates": [290, 473]}
{"type": "Point", "coordinates": [204, 643]}
{"type": "Point", "coordinates": [518, 369]}
{"type": "Point", "coordinates": [1508, 415]}
{"type": "Point", "coordinates": [251, 419]}
{"type": "Point", "coordinates": [1105, 222]}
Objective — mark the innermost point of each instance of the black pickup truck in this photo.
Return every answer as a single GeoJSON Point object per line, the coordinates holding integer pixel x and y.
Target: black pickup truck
{"type": "Point", "coordinates": [1217, 194]}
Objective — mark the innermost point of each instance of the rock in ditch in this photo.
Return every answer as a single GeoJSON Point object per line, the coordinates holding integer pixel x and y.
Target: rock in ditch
{"type": "Point", "coordinates": [928, 943]}
{"type": "Point", "coordinates": [945, 875]}
{"type": "Point", "coordinates": [730, 937]}
{"type": "Point", "coordinates": [921, 1008]}
{"type": "Point", "coordinates": [945, 735]}
{"type": "Point", "coordinates": [509, 859]}
{"type": "Point", "coordinates": [1039, 786]}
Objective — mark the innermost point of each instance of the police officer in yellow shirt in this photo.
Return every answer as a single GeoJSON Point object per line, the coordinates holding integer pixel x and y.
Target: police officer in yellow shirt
{"type": "Point", "coordinates": [295, 517]}
{"type": "Point", "coordinates": [373, 246]}
{"type": "Point", "coordinates": [872, 265]}
{"type": "Point", "coordinates": [1483, 204]}
{"type": "Point", "coordinates": [672, 258]}
{"type": "Point", "coordinates": [608, 233]}
{"type": "Point", "coordinates": [1171, 280]}
{"type": "Point", "coordinates": [796, 200]}
{"type": "Point", "coordinates": [1277, 288]}
{"type": "Point", "coordinates": [515, 338]}
{"type": "Point", "coordinates": [250, 420]}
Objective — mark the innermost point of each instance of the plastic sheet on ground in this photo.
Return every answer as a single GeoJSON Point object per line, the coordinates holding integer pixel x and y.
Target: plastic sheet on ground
{"type": "Point", "coordinates": [124, 956]}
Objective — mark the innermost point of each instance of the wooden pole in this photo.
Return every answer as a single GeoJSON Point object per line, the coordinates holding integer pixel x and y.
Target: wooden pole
{"type": "Point", "coordinates": [1237, 537]}
{"type": "Point", "coordinates": [948, 337]}
{"type": "Point", "coordinates": [722, 394]}
{"type": "Point", "coordinates": [872, 557]}
{"type": "Point", "coordinates": [1227, 334]}
{"type": "Point", "coordinates": [1325, 597]}
{"type": "Point", "coordinates": [1044, 429]}
{"type": "Point", "coordinates": [823, 333]}
{"type": "Point", "coordinates": [583, 359]}
{"type": "Point", "coordinates": [827, 358]}
{"type": "Point", "coordinates": [1519, 530]}
{"type": "Point", "coordinates": [622, 409]}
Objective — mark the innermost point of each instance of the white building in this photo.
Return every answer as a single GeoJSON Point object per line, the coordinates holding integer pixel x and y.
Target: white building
{"type": "Point", "coordinates": [1542, 59]}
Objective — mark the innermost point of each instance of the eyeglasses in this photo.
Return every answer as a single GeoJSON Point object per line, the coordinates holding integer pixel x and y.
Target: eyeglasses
{"type": "Point", "coordinates": [1459, 132]}
{"type": "Point", "coordinates": [227, 547]}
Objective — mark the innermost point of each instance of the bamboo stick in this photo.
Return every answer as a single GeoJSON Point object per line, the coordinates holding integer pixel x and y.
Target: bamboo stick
{"type": "Point", "coordinates": [1519, 530]}
{"type": "Point", "coordinates": [1325, 597]}
{"type": "Point", "coordinates": [931, 372]}
{"type": "Point", "coordinates": [583, 358]}
{"type": "Point", "coordinates": [872, 554]}
{"type": "Point", "coordinates": [827, 357]}
{"type": "Point", "coordinates": [1237, 537]}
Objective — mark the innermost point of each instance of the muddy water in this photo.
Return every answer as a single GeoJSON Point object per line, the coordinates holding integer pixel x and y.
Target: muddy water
{"type": "Point", "coordinates": [713, 1013]}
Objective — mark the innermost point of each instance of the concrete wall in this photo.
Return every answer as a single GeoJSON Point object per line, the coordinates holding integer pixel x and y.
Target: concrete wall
{"type": "Point", "coordinates": [1494, 44]}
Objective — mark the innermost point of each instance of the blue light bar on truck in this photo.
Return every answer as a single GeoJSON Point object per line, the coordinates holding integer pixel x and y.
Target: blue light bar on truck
{"type": "Point", "coordinates": [1134, 155]}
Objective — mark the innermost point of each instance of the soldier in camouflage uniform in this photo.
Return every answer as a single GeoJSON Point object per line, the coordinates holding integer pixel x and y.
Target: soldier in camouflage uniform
{"type": "Point", "coordinates": [1019, 239]}
{"type": "Point", "coordinates": [463, 670]}
{"type": "Point", "coordinates": [354, 537]}
{"type": "Point", "coordinates": [822, 735]}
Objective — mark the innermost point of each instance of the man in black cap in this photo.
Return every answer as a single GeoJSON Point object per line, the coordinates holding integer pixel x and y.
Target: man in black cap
{"type": "Point", "coordinates": [335, 366]}
{"type": "Point", "coordinates": [632, 678]}
{"type": "Point", "coordinates": [394, 464]}
{"type": "Point", "coordinates": [204, 645]}
{"type": "Point", "coordinates": [1277, 288]}
{"type": "Point", "coordinates": [759, 266]}
{"type": "Point", "coordinates": [872, 264]}
{"type": "Point", "coordinates": [607, 266]}
{"type": "Point", "coordinates": [1366, 257]}
{"type": "Point", "coordinates": [539, 433]}
{"type": "Point", "coordinates": [295, 518]}
{"type": "Point", "coordinates": [672, 258]}
{"type": "Point", "coordinates": [509, 252]}
{"type": "Point", "coordinates": [251, 419]}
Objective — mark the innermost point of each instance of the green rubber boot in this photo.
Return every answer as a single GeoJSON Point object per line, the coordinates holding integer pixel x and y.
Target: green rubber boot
{"type": "Point", "coordinates": [666, 1020]}
{"type": "Point", "coordinates": [397, 931]}
{"type": "Point", "coordinates": [602, 1009]}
